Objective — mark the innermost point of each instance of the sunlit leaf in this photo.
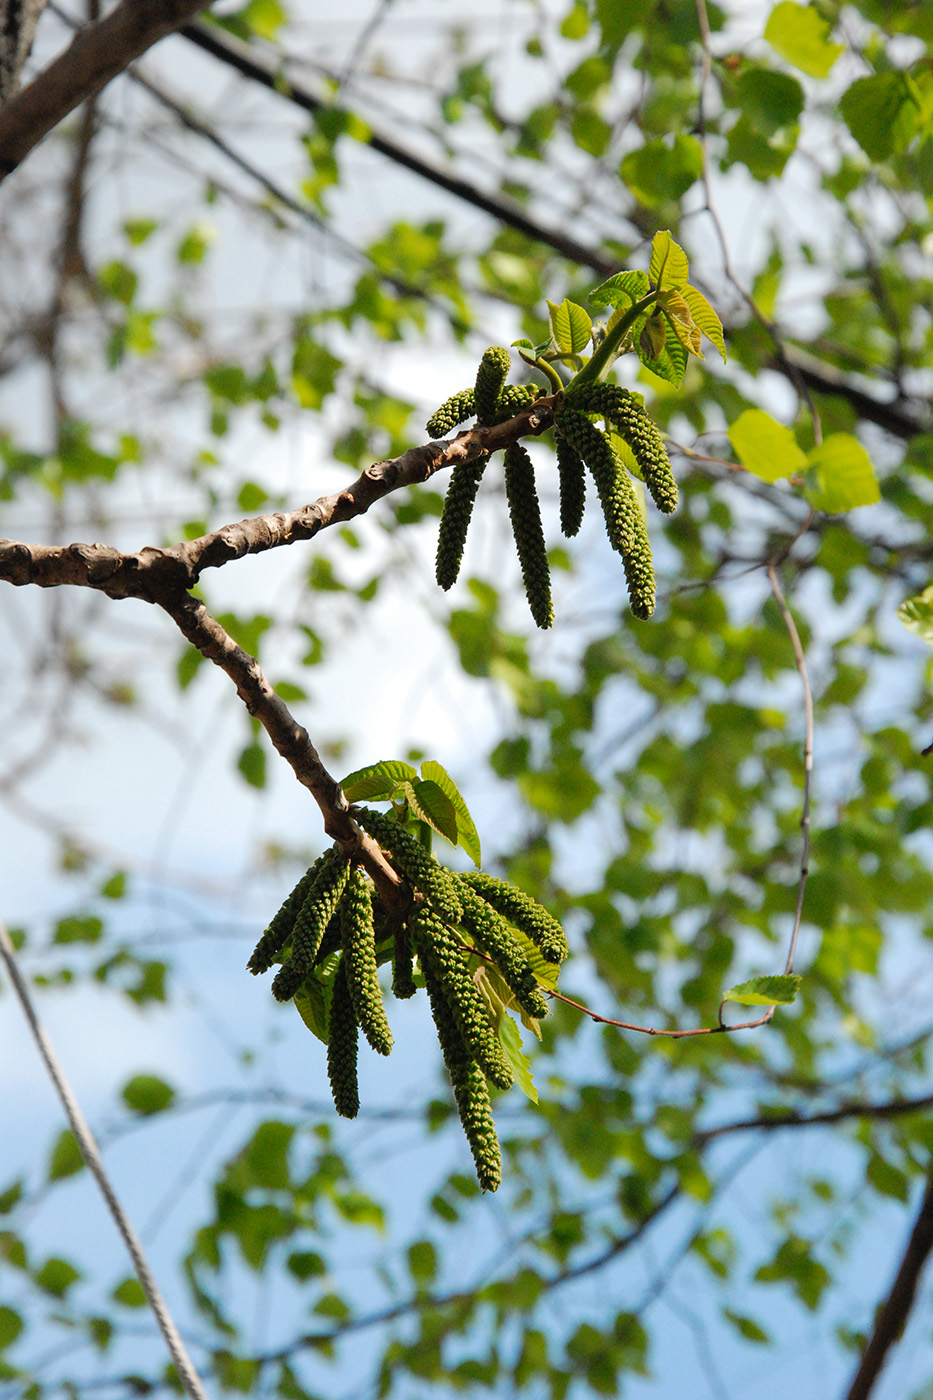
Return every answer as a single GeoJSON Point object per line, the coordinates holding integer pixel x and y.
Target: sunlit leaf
{"type": "Point", "coordinates": [845, 475]}
{"type": "Point", "coordinates": [571, 327]}
{"type": "Point", "coordinates": [776, 990]}
{"type": "Point", "coordinates": [799, 34]}
{"type": "Point", "coordinates": [765, 447]}
{"type": "Point", "coordinates": [668, 266]}
{"type": "Point", "coordinates": [377, 782]}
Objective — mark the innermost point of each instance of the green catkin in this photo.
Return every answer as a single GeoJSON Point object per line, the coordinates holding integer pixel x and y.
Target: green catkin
{"type": "Point", "coordinates": [496, 938]}
{"type": "Point", "coordinates": [403, 976]}
{"type": "Point", "coordinates": [470, 1092]}
{"type": "Point", "coordinates": [513, 398]}
{"type": "Point", "coordinates": [455, 520]}
{"type": "Point", "coordinates": [331, 942]}
{"type": "Point", "coordinates": [639, 568]}
{"type": "Point", "coordinates": [277, 934]}
{"type": "Point", "coordinates": [440, 948]}
{"type": "Point", "coordinates": [313, 918]}
{"type": "Point", "coordinates": [626, 414]}
{"type": "Point", "coordinates": [572, 477]}
{"type": "Point", "coordinates": [526, 913]}
{"type": "Point", "coordinates": [342, 1047]}
{"type": "Point", "coordinates": [452, 412]}
{"type": "Point", "coordinates": [417, 865]}
{"type": "Point", "coordinates": [625, 525]}
{"type": "Point", "coordinates": [529, 535]}
{"type": "Point", "coordinates": [490, 378]}
{"type": "Point", "coordinates": [359, 957]}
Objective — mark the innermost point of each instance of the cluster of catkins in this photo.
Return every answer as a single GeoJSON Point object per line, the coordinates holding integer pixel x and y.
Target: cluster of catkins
{"type": "Point", "coordinates": [579, 443]}
{"type": "Point", "coordinates": [332, 909]}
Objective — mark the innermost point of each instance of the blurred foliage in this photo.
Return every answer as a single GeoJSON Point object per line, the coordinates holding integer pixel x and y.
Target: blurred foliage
{"type": "Point", "coordinates": [647, 776]}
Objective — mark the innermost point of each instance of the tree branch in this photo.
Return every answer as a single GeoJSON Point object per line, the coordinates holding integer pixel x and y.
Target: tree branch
{"type": "Point", "coordinates": [97, 54]}
{"type": "Point", "coordinates": [289, 738]}
{"type": "Point", "coordinates": [823, 379]}
{"type": "Point", "coordinates": [18, 20]}
{"type": "Point", "coordinates": [892, 1319]}
{"type": "Point", "coordinates": [242, 57]}
{"type": "Point", "coordinates": [152, 574]}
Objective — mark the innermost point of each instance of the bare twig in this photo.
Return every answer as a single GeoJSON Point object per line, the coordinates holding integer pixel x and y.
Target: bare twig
{"type": "Point", "coordinates": [719, 1029]}
{"type": "Point", "coordinates": [95, 56]}
{"type": "Point", "coordinates": [722, 1027]}
{"type": "Point", "coordinates": [807, 759]}
{"type": "Point", "coordinates": [244, 59]}
{"type": "Point", "coordinates": [781, 361]}
{"type": "Point", "coordinates": [89, 1151]}
{"type": "Point", "coordinates": [892, 1318]}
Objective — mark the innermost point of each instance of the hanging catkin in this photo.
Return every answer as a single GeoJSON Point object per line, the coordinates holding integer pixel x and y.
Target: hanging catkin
{"type": "Point", "coordinates": [525, 514]}
{"type": "Point", "coordinates": [359, 956]}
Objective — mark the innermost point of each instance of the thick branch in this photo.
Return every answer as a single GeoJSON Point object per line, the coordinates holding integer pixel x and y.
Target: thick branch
{"type": "Point", "coordinates": [892, 1319]}
{"type": "Point", "coordinates": [290, 738]}
{"type": "Point", "coordinates": [97, 54]}
{"type": "Point", "coordinates": [151, 573]}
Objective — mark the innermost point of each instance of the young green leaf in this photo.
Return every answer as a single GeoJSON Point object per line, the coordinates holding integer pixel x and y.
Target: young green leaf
{"type": "Point", "coordinates": [798, 33]}
{"type": "Point", "coordinates": [621, 289]}
{"type": "Point", "coordinates": [705, 318]}
{"type": "Point", "coordinates": [377, 782]}
{"type": "Point", "coordinates": [845, 474]}
{"type": "Point", "coordinates": [571, 327]}
{"type": "Point", "coordinates": [917, 615]}
{"type": "Point", "coordinates": [668, 267]}
{"type": "Point", "coordinates": [430, 804]}
{"type": "Point", "coordinates": [313, 998]}
{"type": "Point", "coordinates": [677, 312]}
{"type": "Point", "coordinates": [467, 835]}
{"type": "Point", "coordinates": [765, 447]}
{"type": "Point", "coordinates": [510, 1038]}
{"type": "Point", "coordinates": [776, 990]}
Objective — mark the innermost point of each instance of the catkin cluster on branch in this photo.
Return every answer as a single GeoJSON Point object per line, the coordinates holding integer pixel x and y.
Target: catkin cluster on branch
{"type": "Point", "coordinates": [458, 923]}
{"type": "Point", "coordinates": [625, 524]}
{"type": "Point", "coordinates": [493, 401]}
{"type": "Point", "coordinates": [580, 444]}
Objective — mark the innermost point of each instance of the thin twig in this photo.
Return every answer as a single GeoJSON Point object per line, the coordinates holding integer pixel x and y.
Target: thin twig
{"type": "Point", "coordinates": [244, 58]}
{"type": "Point", "coordinates": [763, 1020]}
{"type": "Point", "coordinates": [786, 366]}
{"type": "Point", "coordinates": [89, 1151]}
{"type": "Point", "coordinates": [807, 759]}
{"type": "Point", "coordinates": [719, 1029]}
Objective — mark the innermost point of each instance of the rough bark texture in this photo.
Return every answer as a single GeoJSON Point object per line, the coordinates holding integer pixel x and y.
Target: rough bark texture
{"type": "Point", "coordinates": [148, 573]}
{"type": "Point", "coordinates": [18, 20]}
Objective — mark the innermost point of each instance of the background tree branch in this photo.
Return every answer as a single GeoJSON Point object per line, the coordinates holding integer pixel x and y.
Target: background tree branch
{"type": "Point", "coordinates": [891, 1320]}
{"type": "Point", "coordinates": [18, 20]}
{"type": "Point", "coordinates": [95, 56]}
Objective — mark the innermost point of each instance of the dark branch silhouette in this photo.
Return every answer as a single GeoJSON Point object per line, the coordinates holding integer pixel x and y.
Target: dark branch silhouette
{"type": "Point", "coordinates": [892, 1318]}
{"type": "Point", "coordinates": [241, 57]}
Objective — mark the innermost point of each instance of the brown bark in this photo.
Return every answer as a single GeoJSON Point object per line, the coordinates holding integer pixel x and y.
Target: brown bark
{"type": "Point", "coordinates": [97, 54]}
{"type": "Point", "coordinates": [18, 20]}
{"type": "Point", "coordinates": [892, 1317]}
{"type": "Point", "coordinates": [148, 573]}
